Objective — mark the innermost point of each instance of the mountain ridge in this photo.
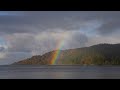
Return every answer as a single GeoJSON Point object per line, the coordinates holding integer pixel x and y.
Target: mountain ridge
{"type": "Point", "coordinates": [100, 54]}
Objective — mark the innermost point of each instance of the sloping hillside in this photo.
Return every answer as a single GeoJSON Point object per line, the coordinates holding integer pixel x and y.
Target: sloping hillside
{"type": "Point", "coordinates": [101, 54]}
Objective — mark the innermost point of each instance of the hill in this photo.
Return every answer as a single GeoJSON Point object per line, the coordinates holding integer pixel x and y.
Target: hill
{"type": "Point", "coordinates": [101, 54]}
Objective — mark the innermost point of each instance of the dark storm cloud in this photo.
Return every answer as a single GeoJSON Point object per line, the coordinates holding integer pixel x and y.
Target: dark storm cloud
{"type": "Point", "coordinates": [37, 20]}
{"type": "Point", "coordinates": [33, 21]}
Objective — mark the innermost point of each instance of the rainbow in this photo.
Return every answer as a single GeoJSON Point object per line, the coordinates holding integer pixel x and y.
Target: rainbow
{"type": "Point", "coordinates": [55, 56]}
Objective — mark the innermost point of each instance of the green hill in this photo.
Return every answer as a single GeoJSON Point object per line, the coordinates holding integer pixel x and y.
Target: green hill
{"type": "Point", "coordinates": [101, 54]}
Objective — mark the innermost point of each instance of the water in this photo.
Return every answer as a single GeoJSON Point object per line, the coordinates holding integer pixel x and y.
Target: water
{"type": "Point", "coordinates": [59, 72]}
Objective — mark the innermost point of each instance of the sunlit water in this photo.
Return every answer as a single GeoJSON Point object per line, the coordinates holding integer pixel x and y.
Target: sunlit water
{"type": "Point", "coordinates": [59, 72]}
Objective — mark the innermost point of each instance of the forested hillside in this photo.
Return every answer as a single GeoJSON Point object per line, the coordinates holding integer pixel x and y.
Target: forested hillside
{"type": "Point", "coordinates": [101, 54]}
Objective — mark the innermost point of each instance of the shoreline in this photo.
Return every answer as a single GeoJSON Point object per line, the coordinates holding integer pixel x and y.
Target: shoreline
{"type": "Point", "coordinates": [63, 65]}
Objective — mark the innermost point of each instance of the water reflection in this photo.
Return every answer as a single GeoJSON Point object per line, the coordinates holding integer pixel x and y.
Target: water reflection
{"type": "Point", "coordinates": [60, 72]}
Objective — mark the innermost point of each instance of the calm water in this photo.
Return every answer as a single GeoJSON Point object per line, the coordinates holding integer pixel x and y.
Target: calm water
{"type": "Point", "coordinates": [59, 72]}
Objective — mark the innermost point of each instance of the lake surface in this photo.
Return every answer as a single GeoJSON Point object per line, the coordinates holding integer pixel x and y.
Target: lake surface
{"type": "Point", "coordinates": [59, 72]}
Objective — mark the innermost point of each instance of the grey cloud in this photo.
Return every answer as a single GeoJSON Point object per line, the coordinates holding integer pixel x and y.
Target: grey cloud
{"type": "Point", "coordinates": [75, 40]}
{"type": "Point", "coordinates": [36, 21]}
{"type": "Point", "coordinates": [82, 39]}
{"type": "Point", "coordinates": [20, 42]}
{"type": "Point", "coordinates": [78, 40]}
{"type": "Point", "coordinates": [28, 42]}
{"type": "Point", "coordinates": [2, 49]}
{"type": "Point", "coordinates": [110, 27]}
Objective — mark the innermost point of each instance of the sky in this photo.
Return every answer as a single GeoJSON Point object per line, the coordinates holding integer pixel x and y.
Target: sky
{"type": "Point", "coordinates": [27, 33]}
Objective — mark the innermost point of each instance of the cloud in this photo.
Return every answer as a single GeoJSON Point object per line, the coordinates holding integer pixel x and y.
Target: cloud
{"type": "Point", "coordinates": [2, 52]}
{"type": "Point", "coordinates": [40, 21]}
{"type": "Point", "coordinates": [24, 45]}
{"type": "Point", "coordinates": [2, 49]}
{"type": "Point", "coordinates": [2, 55]}
{"type": "Point", "coordinates": [34, 22]}
{"type": "Point", "coordinates": [75, 39]}
{"type": "Point", "coordinates": [20, 42]}
{"type": "Point", "coordinates": [109, 27]}
{"type": "Point", "coordinates": [44, 41]}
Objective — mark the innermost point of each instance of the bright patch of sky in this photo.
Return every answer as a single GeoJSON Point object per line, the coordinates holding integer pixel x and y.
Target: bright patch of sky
{"type": "Point", "coordinates": [3, 43]}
